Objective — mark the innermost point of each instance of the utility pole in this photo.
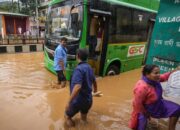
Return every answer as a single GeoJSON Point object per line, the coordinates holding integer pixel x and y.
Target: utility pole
{"type": "Point", "coordinates": [18, 6]}
{"type": "Point", "coordinates": [12, 5]}
{"type": "Point", "coordinates": [37, 19]}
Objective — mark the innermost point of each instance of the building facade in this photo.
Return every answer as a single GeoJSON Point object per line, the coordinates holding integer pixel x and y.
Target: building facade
{"type": "Point", "coordinates": [42, 11]}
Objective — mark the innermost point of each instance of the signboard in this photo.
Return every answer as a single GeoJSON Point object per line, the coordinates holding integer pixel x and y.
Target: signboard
{"type": "Point", "coordinates": [164, 49]}
{"type": "Point", "coordinates": [136, 50]}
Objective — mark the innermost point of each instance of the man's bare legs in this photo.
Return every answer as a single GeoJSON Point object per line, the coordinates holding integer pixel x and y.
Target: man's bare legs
{"type": "Point", "coordinates": [84, 118]}
{"type": "Point", "coordinates": [172, 123]}
{"type": "Point", "coordinates": [63, 84]}
{"type": "Point", "coordinates": [69, 122]}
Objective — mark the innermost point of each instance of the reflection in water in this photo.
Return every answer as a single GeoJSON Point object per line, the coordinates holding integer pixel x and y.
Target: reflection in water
{"type": "Point", "coordinates": [28, 102]}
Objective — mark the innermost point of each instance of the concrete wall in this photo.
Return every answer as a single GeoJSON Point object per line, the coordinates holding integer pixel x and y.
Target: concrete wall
{"type": "Point", "coordinates": [21, 48]}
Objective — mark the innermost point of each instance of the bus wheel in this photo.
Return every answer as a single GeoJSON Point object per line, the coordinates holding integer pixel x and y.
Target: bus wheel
{"type": "Point", "coordinates": [112, 70]}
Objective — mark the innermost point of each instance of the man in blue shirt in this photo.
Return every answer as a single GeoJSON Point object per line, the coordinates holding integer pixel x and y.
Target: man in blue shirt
{"type": "Point", "coordinates": [60, 59]}
{"type": "Point", "coordinates": [80, 89]}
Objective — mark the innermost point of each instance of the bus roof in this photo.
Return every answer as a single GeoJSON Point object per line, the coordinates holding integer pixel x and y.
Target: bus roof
{"type": "Point", "coordinates": [147, 5]}
{"type": "Point", "coordinates": [13, 14]}
{"type": "Point", "coordinates": [55, 1]}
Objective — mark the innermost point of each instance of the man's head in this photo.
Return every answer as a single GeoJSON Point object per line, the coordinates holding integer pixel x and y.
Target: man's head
{"type": "Point", "coordinates": [63, 41]}
{"type": "Point", "coordinates": [82, 54]}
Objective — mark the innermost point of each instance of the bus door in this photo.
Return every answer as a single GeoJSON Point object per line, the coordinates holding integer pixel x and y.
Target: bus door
{"type": "Point", "coordinates": [97, 40]}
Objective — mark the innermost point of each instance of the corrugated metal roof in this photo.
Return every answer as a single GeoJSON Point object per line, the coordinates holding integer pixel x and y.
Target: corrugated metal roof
{"type": "Point", "coordinates": [13, 14]}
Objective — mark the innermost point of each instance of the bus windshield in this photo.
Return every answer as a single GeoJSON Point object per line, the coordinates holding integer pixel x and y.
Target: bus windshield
{"type": "Point", "coordinates": [64, 21]}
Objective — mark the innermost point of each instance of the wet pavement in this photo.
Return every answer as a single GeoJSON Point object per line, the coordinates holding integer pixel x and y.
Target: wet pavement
{"type": "Point", "coordinates": [28, 101]}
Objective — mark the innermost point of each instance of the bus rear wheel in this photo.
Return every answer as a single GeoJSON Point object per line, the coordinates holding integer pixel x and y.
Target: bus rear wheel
{"type": "Point", "coordinates": [113, 70]}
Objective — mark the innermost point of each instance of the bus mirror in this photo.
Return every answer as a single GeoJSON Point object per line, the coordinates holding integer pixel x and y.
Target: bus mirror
{"type": "Point", "coordinates": [74, 17]}
{"type": "Point", "coordinates": [74, 23]}
{"type": "Point", "coordinates": [74, 14]}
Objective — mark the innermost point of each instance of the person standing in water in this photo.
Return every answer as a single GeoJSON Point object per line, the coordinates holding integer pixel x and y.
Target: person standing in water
{"type": "Point", "coordinates": [80, 89]}
{"type": "Point", "coordinates": [60, 59]}
{"type": "Point", "coordinates": [148, 100]}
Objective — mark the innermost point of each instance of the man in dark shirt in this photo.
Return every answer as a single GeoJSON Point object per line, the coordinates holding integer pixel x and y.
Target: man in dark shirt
{"type": "Point", "coordinates": [80, 89]}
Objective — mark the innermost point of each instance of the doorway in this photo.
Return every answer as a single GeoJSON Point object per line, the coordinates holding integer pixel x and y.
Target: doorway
{"type": "Point", "coordinates": [97, 40]}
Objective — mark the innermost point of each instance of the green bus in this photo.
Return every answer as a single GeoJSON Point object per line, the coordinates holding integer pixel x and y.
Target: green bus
{"type": "Point", "coordinates": [114, 31]}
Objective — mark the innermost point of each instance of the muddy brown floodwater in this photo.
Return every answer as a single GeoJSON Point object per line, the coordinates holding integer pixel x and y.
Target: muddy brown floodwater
{"type": "Point", "coordinates": [28, 101]}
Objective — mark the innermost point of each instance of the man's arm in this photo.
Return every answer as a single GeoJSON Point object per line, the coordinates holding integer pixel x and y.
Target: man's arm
{"type": "Point", "coordinates": [95, 86]}
{"type": "Point", "coordinates": [74, 93]}
{"type": "Point", "coordinates": [165, 76]}
{"type": "Point", "coordinates": [61, 63]}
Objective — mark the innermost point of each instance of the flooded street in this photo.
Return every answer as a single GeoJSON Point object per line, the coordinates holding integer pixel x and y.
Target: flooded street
{"type": "Point", "coordinates": [28, 101]}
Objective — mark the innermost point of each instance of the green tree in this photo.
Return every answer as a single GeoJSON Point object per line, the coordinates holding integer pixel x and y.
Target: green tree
{"type": "Point", "coordinates": [4, 7]}
{"type": "Point", "coordinates": [12, 5]}
{"type": "Point", "coordinates": [9, 6]}
{"type": "Point", "coordinates": [29, 7]}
